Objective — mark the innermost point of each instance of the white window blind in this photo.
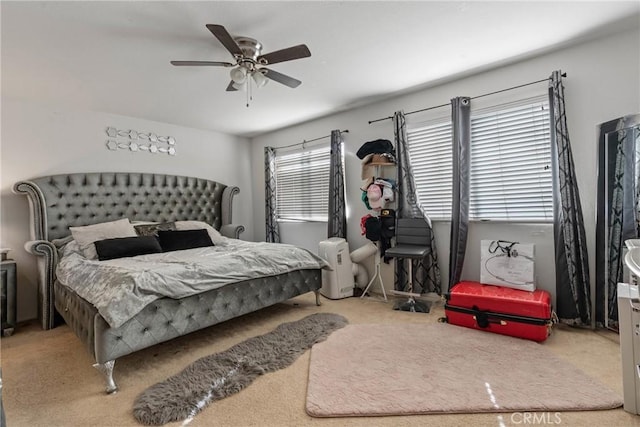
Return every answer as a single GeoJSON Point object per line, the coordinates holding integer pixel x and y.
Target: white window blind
{"type": "Point", "coordinates": [430, 151]}
{"type": "Point", "coordinates": [511, 164]}
{"type": "Point", "coordinates": [302, 185]}
{"type": "Point", "coordinates": [510, 177]}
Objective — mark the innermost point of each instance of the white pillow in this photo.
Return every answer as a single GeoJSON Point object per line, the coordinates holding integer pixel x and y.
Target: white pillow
{"type": "Point", "coordinates": [87, 235]}
{"type": "Point", "coordinates": [215, 235]}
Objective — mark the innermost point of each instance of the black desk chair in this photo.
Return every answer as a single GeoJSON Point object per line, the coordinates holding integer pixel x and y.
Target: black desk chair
{"type": "Point", "coordinates": [413, 241]}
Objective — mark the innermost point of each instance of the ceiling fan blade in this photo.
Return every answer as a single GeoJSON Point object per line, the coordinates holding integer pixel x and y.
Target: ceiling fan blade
{"type": "Point", "coordinates": [230, 88]}
{"type": "Point", "coordinates": [288, 54]}
{"type": "Point", "coordinates": [225, 38]}
{"type": "Point", "coordinates": [281, 78]}
{"type": "Point", "coordinates": [212, 63]}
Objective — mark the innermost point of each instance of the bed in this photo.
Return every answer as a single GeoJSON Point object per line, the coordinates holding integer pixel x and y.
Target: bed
{"type": "Point", "coordinates": [58, 202]}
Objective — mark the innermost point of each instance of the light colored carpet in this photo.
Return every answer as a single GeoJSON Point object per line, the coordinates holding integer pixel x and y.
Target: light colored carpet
{"type": "Point", "coordinates": [440, 368]}
{"type": "Point", "coordinates": [48, 381]}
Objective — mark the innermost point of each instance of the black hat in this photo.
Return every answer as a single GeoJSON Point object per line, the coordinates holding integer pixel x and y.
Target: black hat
{"type": "Point", "coordinates": [379, 146]}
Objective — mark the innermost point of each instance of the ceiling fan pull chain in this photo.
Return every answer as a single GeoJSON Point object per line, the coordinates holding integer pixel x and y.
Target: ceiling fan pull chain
{"type": "Point", "coordinates": [248, 90]}
{"type": "Point", "coordinates": [251, 90]}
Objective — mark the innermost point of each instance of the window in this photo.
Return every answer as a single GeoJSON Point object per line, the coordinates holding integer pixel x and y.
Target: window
{"type": "Point", "coordinates": [431, 161]}
{"type": "Point", "coordinates": [511, 164]}
{"type": "Point", "coordinates": [510, 177]}
{"type": "Point", "coordinates": [302, 185]}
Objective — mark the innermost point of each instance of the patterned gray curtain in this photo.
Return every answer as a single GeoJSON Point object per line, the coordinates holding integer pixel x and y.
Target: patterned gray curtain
{"type": "Point", "coordinates": [461, 154]}
{"type": "Point", "coordinates": [616, 222]}
{"type": "Point", "coordinates": [271, 226]}
{"type": "Point", "coordinates": [572, 265]}
{"type": "Point", "coordinates": [426, 272]}
{"type": "Point", "coordinates": [337, 223]}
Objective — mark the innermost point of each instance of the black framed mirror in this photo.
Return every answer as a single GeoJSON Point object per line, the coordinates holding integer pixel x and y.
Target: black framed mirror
{"type": "Point", "coordinates": [617, 217]}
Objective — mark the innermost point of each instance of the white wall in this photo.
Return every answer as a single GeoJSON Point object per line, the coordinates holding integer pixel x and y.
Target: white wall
{"type": "Point", "coordinates": [41, 140]}
{"type": "Point", "coordinates": [602, 84]}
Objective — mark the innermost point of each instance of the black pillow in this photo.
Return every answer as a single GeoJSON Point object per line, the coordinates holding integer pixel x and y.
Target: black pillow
{"type": "Point", "coordinates": [177, 240]}
{"type": "Point", "coordinates": [127, 246]}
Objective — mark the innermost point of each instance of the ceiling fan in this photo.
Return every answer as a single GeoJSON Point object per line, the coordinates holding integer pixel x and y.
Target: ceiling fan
{"type": "Point", "coordinates": [250, 63]}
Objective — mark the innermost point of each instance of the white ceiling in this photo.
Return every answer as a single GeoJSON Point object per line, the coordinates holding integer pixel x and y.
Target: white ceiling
{"type": "Point", "coordinates": [114, 56]}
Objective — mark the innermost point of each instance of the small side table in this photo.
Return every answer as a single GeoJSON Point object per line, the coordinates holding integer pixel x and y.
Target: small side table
{"type": "Point", "coordinates": [8, 297]}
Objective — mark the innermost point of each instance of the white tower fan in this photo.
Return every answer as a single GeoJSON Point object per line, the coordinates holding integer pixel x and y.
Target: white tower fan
{"type": "Point", "coordinates": [339, 282]}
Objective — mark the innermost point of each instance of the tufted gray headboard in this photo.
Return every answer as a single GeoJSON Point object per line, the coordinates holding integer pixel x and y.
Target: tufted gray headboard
{"type": "Point", "coordinates": [61, 201]}
{"type": "Point", "coordinates": [58, 202]}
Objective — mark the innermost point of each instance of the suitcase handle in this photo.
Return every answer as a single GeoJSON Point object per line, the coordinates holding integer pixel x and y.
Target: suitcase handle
{"type": "Point", "coordinates": [483, 318]}
{"type": "Point", "coordinates": [483, 321]}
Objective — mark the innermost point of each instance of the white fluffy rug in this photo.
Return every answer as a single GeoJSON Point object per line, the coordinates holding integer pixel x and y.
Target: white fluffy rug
{"type": "Point", "coordinates": [393, 369]}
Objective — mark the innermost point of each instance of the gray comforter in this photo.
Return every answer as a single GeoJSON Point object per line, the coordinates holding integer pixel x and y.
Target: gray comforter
{"type": "Point", "coordinates": [121, 288]}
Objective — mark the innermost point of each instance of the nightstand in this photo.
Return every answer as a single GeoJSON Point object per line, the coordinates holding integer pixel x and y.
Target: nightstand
{"type": "Point", "coordinates": [8, 300]}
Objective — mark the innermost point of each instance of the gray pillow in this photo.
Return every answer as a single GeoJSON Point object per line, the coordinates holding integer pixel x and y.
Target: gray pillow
{"type": "Point", "coordinates": [152, 229]}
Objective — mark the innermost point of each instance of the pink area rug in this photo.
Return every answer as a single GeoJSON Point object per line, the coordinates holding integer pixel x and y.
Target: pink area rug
{"type": "Point", "coordinates": [402, 369]}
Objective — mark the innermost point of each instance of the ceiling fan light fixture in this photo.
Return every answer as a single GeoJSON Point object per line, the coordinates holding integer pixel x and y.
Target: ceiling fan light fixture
{"type": "Point", "coordinates": [240, 86]}
{"type": "Point", "coordinates": [260, 79]}
{"type": "Point", "coordinates": [238, 75]}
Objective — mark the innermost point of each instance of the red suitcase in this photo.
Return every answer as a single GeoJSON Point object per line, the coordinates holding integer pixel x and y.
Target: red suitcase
{"type": "Point", "coordinates": [500, 310]}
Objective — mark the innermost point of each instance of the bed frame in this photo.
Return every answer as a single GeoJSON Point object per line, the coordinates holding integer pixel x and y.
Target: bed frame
{"type": "Point", "coordinates": [58, 202]}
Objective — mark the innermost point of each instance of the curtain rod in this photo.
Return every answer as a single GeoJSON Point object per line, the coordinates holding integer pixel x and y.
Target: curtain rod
{"type": "Point", "coordinates": [473, 97]}
{"type": "Point", "coordinates": [304, 141]}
